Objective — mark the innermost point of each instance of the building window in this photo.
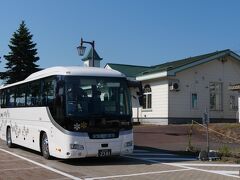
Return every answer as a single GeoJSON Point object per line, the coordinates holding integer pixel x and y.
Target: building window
{"type": "Point", "coordinates": [194, 101]}
{"type": "Point", "coordinates": [147, 97]}
{"type": "Point", "coordinates": [216, 95]}
{"type": "Point", "coordinates": [233, 103]}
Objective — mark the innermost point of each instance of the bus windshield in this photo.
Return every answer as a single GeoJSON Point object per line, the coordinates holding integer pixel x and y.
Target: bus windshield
{"type": "Point", "coordinates": [96, 97]}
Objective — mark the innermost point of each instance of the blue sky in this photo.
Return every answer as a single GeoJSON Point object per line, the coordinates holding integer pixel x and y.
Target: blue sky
{"type": "Point", "coordinates": [142, 32]}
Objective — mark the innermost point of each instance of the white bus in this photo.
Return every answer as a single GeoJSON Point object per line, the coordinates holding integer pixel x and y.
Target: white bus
{"type": "Point", "coordinates": [69, 112]}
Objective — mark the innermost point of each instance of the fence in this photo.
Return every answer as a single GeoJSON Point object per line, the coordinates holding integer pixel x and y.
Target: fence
{"type": "Point", "coordinates": [217, 139]}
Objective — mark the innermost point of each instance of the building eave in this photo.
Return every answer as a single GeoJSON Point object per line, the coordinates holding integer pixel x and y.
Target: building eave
{"type": "Point", "coordinates": [152, 76]}
{"type": "Point", "coordinates": [234, 55]}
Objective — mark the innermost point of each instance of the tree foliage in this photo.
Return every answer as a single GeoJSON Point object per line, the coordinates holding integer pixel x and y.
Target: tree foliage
{"type": "Point", "coordinates": [22, 58]}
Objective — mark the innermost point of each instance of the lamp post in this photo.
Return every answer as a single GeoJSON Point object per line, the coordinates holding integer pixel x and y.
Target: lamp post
{"type": "Point", "coordinates": [81, 49]}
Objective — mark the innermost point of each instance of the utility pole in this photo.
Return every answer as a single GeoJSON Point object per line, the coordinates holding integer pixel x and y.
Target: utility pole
{"type": "Point", "coordinates": [206, 122]}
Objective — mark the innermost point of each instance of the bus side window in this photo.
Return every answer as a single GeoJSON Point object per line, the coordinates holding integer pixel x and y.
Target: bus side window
{"type": "Point", "coordinates": [34, 94]}
{"type": "Point", "coordinates": [28, 95]}
{"type": "Point", "coordinates": [10, 98]}
{"type": "Point", "coordinates": [49, 86]}
{"type": "Point", "coordinates": [58, 104]}
{"type": "Point", "coordinates": [2, 98]}
{"type": "Point", "coordinates": [7, 96]}
{"type": "Point", "coordinates": [21, 96]}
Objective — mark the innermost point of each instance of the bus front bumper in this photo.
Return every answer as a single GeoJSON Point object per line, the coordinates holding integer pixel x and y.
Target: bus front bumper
{"type": "Point", "coordinates": [80, 147]}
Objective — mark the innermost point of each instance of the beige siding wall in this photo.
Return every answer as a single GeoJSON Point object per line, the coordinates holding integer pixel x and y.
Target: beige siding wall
{"type": "Point", "coordinates": [196, 80]}
{"type": "Point", "coordinates": [159, 112]}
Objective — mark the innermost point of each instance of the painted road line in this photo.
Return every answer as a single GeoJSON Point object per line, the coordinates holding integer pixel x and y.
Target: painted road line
{"type": "Point", "coordinates": [203, 170]}
{"type": "Point", "coordinates": [42, 165]}
{"type": "Point", "coordinates": [226, 172]}
{"type": "Point", "coordinates": [208, 165]}
{"type": "Point", "coordinates": [137, 174]}
{"type": "Point", "coordinates": [182, 166]}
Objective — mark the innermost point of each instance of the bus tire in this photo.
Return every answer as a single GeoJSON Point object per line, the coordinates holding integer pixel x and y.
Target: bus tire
{"type": "Point", "coordinates": [9, 138]}
{"type": "Point", "coordinates": [45, 146]}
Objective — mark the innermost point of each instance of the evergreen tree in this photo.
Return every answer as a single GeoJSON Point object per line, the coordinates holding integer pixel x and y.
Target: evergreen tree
{"type": "Point", "coordinates": [21, 60]}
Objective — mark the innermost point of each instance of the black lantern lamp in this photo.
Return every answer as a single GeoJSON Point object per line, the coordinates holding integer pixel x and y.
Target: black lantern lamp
{"type": "Point", "coordinates": [92, 55]}
{"type": "Point", "coordinates": [81, 50]}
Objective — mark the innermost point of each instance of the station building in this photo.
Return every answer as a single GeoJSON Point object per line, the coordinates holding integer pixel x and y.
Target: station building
{"type": "Point", "coordinates": [180, 91]}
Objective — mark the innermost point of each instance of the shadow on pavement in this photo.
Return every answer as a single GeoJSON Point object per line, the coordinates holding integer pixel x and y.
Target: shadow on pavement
{"type": "Point", "coordinates": [157, 150]}
{"type": "Point", "coordinates": [132, 159]}
{"type": "Point", "coordinates": [109, 161]}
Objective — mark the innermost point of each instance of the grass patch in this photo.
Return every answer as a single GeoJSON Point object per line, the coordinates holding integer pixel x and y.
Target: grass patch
{"type": "Point", "coordinates": [224, 151]}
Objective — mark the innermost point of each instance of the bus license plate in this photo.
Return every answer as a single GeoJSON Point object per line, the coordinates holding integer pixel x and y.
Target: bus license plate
{"type": "Point", "coordinates": [104, 152]}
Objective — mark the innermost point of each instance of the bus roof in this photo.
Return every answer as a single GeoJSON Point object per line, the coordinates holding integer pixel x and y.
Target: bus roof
{"type": "Point", "coordinates": [69, 71]}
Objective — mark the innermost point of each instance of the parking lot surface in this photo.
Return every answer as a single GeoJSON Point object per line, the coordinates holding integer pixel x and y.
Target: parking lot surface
{"type": "Point", "coordinates": [20, 163]}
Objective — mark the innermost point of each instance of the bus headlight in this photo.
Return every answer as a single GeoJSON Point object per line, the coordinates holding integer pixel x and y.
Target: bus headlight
{"type": "Point", "coordinates": [129, 143]}
{"type": "Point", "coordinates": [77, 146]}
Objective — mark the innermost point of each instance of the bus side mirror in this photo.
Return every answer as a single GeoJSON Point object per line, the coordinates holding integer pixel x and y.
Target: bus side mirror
{"type": "Point", "coordinates": [137, 84]}
{"type": "Point", "coordinates": [140, 99]}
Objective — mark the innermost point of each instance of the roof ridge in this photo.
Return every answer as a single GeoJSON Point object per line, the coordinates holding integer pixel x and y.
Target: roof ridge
{"type": "Point", "coordinates": [181, 62]}
{"type": "Point", "coordinates": [191, 57]}
{"type": "Point", "coordinates": [128, 65]}
{"type": "Point", "coordinates": [136, 70]}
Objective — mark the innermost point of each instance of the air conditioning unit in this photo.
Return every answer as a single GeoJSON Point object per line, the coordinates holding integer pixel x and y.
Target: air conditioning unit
{"type": "Point", "coordinates": [174, 86]}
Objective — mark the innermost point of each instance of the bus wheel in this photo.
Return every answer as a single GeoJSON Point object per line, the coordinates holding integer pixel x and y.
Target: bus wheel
{"type": "Point", "coordinates": [9, 138]}
{"type": "Point", "coordinates": [44, 146]}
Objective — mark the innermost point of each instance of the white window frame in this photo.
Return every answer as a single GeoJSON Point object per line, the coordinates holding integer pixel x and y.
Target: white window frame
{"type": "Point", "coordinates": [148, 95]}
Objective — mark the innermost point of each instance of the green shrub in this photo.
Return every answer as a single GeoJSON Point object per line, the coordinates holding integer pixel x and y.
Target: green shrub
{"type": "Point", "coordinates": [237, 161]}
{"type": "Point", "coordinates": [224, 151]}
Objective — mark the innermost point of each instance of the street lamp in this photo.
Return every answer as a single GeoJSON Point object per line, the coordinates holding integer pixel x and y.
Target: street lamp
{"type": "Point", "coordinates": [81, 49]}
